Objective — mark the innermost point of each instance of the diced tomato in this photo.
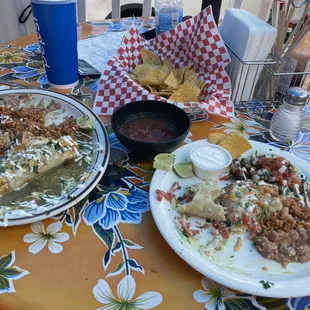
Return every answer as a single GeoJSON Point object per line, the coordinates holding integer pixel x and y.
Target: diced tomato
{"type": "Point", "coordinates": [184, 224]}
{"type": "Point", "coordinates": [174, 187]}
{"type": "Point", "coordinates": [159, 197]}
{"type": "Point", "coordinates": [194, 232]}
{"type": "Point", "coordinates": [254, 229]}
{"type": "Point", "coordinates": [295, 180]}
{"type": "Point", "coordinates": [266, 166]}
{"type": "Point", "coordinates": [225, 234]}
{"type": "Point", "coordinates": [160, 194]}
{"type": "Point", "coordinates": [215, 224]}
{"type": "Point", "coordinates": [252, 235]}
{"type": "Point", "coordinates": [246, 219]}
{"type": "Point", "coordinates": [225, 177]}
{"type": "Point", "coordinates": [285, 175]}
{"type": "Point", "coordinates": [279, 179]}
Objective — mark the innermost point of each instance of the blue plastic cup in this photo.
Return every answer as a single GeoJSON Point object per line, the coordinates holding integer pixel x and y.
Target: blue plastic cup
{"type": "Point", "coordinates": [56, 27]}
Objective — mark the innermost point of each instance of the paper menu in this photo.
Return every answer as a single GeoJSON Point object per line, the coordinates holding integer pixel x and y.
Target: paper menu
{"type": "Point", "coordinates": [98, 50]}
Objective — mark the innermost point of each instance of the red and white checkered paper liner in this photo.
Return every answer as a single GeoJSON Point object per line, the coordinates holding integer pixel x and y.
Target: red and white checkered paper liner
{"type": "Point", "coordinates": [194, 42]}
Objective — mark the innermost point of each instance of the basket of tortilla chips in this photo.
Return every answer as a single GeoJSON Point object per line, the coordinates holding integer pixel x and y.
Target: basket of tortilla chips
{"type": "Point", "coordinates": [184, 66]}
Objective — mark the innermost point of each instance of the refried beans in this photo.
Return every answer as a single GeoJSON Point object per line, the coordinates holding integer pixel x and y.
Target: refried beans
{"type": "Point", "coordinates": [285, 236]}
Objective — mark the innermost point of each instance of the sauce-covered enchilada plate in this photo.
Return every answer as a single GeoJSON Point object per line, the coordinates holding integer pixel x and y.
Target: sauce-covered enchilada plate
{"type": "Point", "coordinates": [53, 152]}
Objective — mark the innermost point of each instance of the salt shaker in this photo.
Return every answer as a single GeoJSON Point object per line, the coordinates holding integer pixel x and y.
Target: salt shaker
{"type": "Point", "coordinates": [287, 120]}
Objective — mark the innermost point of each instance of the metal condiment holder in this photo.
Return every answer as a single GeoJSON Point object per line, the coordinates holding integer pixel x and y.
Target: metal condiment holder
{"type": "Point", "coordinates": [272, 76]}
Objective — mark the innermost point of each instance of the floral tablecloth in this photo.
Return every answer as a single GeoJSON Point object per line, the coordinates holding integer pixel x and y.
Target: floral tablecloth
{"type": "Point", "coordinates": [106, 252]}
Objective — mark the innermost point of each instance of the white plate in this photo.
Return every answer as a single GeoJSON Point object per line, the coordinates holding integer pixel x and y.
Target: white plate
{"type": "Point", "coordinates": [244, 271]}
{"type": "Point", "coordinates": [64, 106]}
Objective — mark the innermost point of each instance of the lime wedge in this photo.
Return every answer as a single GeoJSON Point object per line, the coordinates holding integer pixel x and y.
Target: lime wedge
{"type": "Point", "coordinates": [164, 161]}
{"type": "Point", "coordinates": [184, 170]}
{"type": "Point", "coordinates": [86, 122]}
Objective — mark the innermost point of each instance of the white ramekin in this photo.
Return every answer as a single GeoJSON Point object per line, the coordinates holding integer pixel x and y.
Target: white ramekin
{"type": "Point", "coordinates": [207, 173]}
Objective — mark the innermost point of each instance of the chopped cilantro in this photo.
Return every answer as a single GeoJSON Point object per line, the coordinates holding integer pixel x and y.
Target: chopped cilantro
{"type": "Point", "coordinates": [266, 284]}
{"type": "Point", "coordinates": [232, 256]}
{"type": "Point", "coordinates": [208, 221]}
{"type": "Point", "coordinates": [57, 147]}
{"type": "Point", "coordinates": [238, 194]}
{"type": "Point", "coordinates": [228, 223]}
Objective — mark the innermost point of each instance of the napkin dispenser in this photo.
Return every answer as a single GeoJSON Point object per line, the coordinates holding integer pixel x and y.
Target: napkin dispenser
{"type": "Point", "coordinates": [251, 39]}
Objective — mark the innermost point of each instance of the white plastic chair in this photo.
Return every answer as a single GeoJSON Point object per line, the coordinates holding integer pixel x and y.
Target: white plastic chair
{"type": "Point", "coordinates": [146, 10]}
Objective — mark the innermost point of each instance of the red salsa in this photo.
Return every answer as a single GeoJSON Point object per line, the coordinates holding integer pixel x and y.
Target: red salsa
{"type": "Point", "coordinates": [149, 129]}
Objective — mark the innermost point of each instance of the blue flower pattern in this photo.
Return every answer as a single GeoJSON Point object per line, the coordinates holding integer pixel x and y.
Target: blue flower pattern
{"type": "Point", "coordinates": [127, 205]}
{"type": "Point", "coordinates": [299, 303]}
{"type": "Point", "coordinates": [122, 206]}
{"type": "Point", "coordinates": [33, 48]}
{"type": "Point", "coordinates": [26, 72]}
{"type": "Point", "coordinates": [118, 152]}
{"type": "Point", "coordinates": [299, 146]}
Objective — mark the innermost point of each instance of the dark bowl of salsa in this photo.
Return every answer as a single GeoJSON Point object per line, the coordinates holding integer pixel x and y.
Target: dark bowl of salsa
{"type": "Point", "coordinates": [147, 128]}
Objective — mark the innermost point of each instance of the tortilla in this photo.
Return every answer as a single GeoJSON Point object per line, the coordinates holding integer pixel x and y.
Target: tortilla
{"type": "Point", "coordinates": [203, 204]}
{"type": "Point", "coordinates": [10, 181]}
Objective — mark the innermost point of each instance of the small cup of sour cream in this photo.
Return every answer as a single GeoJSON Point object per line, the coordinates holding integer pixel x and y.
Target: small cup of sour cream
{"type": "Point", "coordinates": [209, 161]}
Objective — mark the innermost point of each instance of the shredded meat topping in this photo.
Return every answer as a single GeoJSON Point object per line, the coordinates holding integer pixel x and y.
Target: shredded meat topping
{"type": "Point", "coordinates": [13, 123]}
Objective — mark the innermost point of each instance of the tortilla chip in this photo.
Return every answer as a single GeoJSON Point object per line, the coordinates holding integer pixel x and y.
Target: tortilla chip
{"type": "Point", "coordinates": [150, 88]}
{"type": "Point", "coordinates": [174, 79]}
{"type": "Point", "coordinates": [163, 93]}
{"type": "Point", "coordinates": [201, 84]}
{"type": "Point", "coordinates": [189, 75]}
{"type": "Point", "coordinates": [216, 138]}
{"type": "Point", "coordinates": [149, 57]}
{"type": "Point", "coordinates": [168, 64]}
{"type": "Point", "coordinates": [151, 74]}
{"type": "Point", "coordinates": [188, 92]}
{"type": "Point", "coordinates": [133, 77]}
{"type": "Point", "coordinates": [235, 144]}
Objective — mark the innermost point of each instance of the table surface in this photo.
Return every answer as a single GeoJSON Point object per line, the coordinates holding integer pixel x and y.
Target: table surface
{"type": "Point", "coordinates": [63, 263]}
